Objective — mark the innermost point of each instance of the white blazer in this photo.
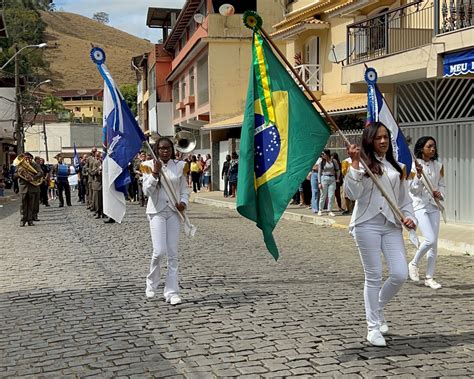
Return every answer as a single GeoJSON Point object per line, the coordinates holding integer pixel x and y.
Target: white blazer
{"type": "Point", "coordinates": [421, 197]}
{"type": "Point", "coordinates": [369, 200]}
{"type": "Point", "coordinates": [157, 197]}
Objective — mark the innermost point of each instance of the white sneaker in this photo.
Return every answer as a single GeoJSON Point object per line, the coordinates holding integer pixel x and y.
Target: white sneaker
{"type": "Point", "coordinates": [320, 213]}
{"type": "Point", "coordinates": [149, 293]}
{"type": "Point", "coordinates": [375, 338]}
{"type": "Point", "coordinates": [430, 282]}
{"type": "Point", "coordinates": [413, 272]}
{"type": "Point", "coordinates": [332, 214]}
{"type": "Point", "coordinates": [384, 327]}
{"type": "Point", "coordinates": [175, 300]}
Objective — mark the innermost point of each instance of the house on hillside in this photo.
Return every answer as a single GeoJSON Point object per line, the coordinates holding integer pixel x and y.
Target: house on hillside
{"type": "Point", "coordinates": [84, 104]}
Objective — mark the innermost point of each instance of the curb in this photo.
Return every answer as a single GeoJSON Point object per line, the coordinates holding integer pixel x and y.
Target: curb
{"type": "Point", "coordinates": [454, 248]}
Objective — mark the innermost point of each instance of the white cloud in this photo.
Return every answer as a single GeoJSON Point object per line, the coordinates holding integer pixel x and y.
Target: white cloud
{"type": "Point", "coordinates": [126, 15]}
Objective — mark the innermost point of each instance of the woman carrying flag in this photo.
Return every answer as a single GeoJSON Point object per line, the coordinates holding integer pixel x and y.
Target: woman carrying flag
{"type": "Point", "coordinates": [163, 216]}
{"type": "Point", "coordinates": [426, 210]}
{"type": "Point", "coordinates": [374, 225]}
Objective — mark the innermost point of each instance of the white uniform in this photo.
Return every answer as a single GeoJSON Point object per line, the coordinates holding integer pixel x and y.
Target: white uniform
{"type": "Point", "coordinates": [165, 224]}
{"type": "Point", "coordinates": [375, 229]}
{"type": "Point", "coordinates": [427, 212]}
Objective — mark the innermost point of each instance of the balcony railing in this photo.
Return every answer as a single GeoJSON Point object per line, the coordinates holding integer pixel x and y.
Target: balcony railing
{"type": "Point", "coordinates": [311, 75]}
{"type": "Point", "coordinates": [400, 29]}
{"type": "Point", "coordinates": [457, 15]}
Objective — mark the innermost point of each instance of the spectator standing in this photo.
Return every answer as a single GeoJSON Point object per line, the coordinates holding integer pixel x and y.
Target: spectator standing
{"type": "Point", "coordinates": [315, 186]}
{"type": "Point", "coordinates": [195, 174]}
{"type": "Point", "coordinates": [225, 175]}
{"type": "Point", "coordinates": [44, 185]}
{"type": "Point", "coordinates": [207, 172]}
{"type": "Point", "coordinates": [233, 173]}
{"type": "Point", "coordinates": [327, 174]}
{"type": "Point", "coordinates": [339, 181]}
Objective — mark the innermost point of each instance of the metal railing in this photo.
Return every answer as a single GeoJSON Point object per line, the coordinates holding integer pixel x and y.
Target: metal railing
{"type": "Point", "coordinates": [394, 31]}
{"type": "Point", "coordinates": [457, 15]}
{"type": "Point", "coordinates": [311, 75]}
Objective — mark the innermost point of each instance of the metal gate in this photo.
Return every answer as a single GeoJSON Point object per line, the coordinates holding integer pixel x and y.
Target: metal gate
{"type": "Point", "coordinates": [455, 148]}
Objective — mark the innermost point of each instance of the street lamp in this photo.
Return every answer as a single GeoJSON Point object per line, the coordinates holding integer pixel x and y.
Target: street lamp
{"type": "Point", "coordinates": [39, 46]}
{"type": "Point", "coordinates": [39, 85]}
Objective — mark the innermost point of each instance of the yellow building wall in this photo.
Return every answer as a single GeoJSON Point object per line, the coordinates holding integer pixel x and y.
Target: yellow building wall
{"type": "Point", "coordinates": [229, 64]}
{"type": "Point", "coordinates": [88, 108]}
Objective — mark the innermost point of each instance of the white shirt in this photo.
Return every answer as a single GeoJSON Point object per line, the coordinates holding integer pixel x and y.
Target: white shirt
{"type": "Point", "coordinates": [157, 197]}
{"type": "Point", "coordinates": [369, 200]}
{"type": "Point", "coordinates": [422, 199]}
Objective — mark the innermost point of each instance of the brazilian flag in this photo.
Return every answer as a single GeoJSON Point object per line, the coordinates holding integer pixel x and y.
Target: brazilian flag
{"type": "Point", "coordinates": [282, 135]}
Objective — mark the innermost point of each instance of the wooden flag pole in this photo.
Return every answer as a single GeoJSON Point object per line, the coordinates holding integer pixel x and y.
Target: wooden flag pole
{"type": "Point", "coordinates": [394, 207]}
{"type": "Point", "coordinates": [189, 228]}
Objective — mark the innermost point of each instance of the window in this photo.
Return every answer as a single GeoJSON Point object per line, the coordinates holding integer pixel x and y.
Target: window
{"type": "Point", "coordinates": [176, 99]}
{"type": "Point", "coordinates": [191, 82]}
{"type": "Point", "coordinates": [183, 89]}
{"type": "Point", "coordinates": [152, 80]}
{"type": "Point", "coordinates": [202, 82]}
{"type": "Point", "coordinates": [77, 109]}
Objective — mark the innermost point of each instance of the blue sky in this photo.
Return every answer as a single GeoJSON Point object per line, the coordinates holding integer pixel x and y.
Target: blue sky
{"type": "Point", "coordinates": [126, 15]}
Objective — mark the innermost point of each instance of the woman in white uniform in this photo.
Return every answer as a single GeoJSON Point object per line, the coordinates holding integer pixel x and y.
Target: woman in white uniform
{"type": "Point", "coordinates": [426, 211]}
{"type": "Point", "coordinates": [375, 227]}
{"type": "Point", "coordinates": [164, 219]}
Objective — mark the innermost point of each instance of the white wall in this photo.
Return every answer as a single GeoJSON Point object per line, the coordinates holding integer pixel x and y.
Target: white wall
{"type": "Point", "coordinates": [7, 112]}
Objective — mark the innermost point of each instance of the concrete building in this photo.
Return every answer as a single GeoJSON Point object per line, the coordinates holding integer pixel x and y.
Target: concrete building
{"type": "Point", "coordinates": [85, 105]}
{"type": "Point", "coordinates": [60, 138]}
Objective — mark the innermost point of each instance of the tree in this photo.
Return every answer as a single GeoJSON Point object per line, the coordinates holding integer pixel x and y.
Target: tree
{"type": "Point", "coordinates": [129, 92]}
{"type": "Point", "coordinates": [101, 17]}
{"type": "Point", "coordinates": [52, 105]}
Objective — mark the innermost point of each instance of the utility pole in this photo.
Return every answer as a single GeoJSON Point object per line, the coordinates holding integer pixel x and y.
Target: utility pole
{"type": "Point", "coordinates": [45, 140]}
{"type": "Point", "coordinates": [19, 121]}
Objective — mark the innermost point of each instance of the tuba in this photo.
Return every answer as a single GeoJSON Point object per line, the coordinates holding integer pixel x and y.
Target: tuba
{"type": "Point", "coordinates": [26, 171]}
{"type": "Point", "coordinates": [185, 141]}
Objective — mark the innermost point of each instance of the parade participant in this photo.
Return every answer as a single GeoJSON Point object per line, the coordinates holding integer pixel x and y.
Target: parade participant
{"type": "Point", "coordinates": [95, 173]}
{"type": "Point", "coordinates": [426, 211]}
{"type": "Point", "coordinates": [37, 191]}
{"type": "Point", "coordinates": [28, 173]}
{"type": "Point", "coordinates": [61, 172]}
{"type": "Point", "coordinates": [225, 175]}
{"type": "Point", "coordinates": [44, 185]}
{"type": "Point", "coordinates": [164, 218]}
{"type": "Point", "coordinates": [89, 163]}
{"type": "Point", "coordinates": [375, 227]}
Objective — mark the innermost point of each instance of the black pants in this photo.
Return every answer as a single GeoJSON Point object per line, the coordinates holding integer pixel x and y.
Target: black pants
{"type": "Point", "coordinates": [64, 186]}
{"type": "Point", "coordinates": [195, 176]}
{"type": "Point", "coordinates": [44, 194]}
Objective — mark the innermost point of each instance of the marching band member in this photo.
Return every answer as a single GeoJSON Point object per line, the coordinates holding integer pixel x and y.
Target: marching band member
{"type": "Point", "coordinates": [426, 211]}
{"type": "Point", "coordinates": [164, 219]}
{"type": "Point", "coordinates": [374, 225]}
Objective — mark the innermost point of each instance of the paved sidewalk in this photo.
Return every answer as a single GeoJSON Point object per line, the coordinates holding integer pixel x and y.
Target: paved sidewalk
{"type": "Point", "coordinates": [454, 239]}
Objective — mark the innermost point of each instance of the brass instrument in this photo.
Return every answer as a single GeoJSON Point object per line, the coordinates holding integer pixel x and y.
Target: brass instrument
{"type": "Point", "coordinates": [26, 171]}
{"type": "Point", "coordinates": [185, 141]}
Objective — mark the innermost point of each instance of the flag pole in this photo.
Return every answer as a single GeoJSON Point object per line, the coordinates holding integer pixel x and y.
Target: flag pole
{"type": "Point", "coordinates": [189, 228]}
{"type": "Point", "coordinates": [392, 205]}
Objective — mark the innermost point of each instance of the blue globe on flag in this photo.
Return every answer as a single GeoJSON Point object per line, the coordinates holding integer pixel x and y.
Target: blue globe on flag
{"type": "Point", "coordinates": [267, 145]}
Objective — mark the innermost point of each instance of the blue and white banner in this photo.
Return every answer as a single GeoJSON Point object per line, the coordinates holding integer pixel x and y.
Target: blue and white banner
{"type": "Point", "coordinates": [124, 140]}
{"type": "Point", "coordinates": [378, 111]}
{"type": "Point", "coordinates": [75, 160]}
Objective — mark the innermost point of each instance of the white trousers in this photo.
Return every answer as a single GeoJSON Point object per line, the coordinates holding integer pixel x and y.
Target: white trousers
{"type": "Point", "coordinates": [428, 222]}
{"type": "Point", "coordinates": [164, 227]}
{"type": "Point", "coordinates": [372, 237]}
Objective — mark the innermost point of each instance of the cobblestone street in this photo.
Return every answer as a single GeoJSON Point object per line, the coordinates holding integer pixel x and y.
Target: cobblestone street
{"type": "Point", "coordinates": [72, 302]}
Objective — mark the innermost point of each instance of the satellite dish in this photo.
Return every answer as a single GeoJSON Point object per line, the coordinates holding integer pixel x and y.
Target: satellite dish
{"type": "Point", "coordinates": [338, 53]}
{"type": "Point", "coordinates": [226, 10]}
{"type": "Point", "coordinates": [199, 18]}
{"type": "Point", "coordinates": [81, 92]}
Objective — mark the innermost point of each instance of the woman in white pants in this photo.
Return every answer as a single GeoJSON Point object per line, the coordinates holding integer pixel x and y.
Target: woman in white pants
{"type": "Point", "coordinates": [374, 226]}
{"type": "Point", "coordinates": [164, 219]}
{"type": "Point", "coordinates": [426, 211]}
{"type": "Point", "coordinates": [328, 175]}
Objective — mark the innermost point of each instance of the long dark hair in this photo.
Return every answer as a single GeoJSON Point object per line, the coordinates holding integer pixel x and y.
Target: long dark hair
{"type": "Point", "coordinates": [157, 145]}
{"type": "Point", "coordinates": [420, 144]}
{"type": "Point", "coordinates": [368, 137]}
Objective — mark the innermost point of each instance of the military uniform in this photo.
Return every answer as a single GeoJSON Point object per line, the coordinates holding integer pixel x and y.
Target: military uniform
{"type": "Point", "coordinates": [96, 186]}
